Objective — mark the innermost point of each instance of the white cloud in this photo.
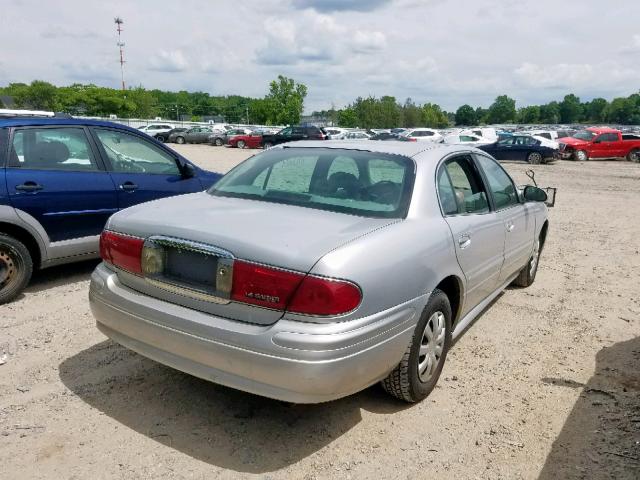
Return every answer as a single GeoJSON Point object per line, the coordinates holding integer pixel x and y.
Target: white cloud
{"type": "Point", "coordinates": [169, 61]}
{"type": "Point", "coordinates": [368, 42]}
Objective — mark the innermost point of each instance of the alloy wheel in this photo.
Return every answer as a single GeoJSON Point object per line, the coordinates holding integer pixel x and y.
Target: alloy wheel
{"type": "Point", "coordinates": [533, 264]}
{"type": "Point", "coordinates": [431, 346]}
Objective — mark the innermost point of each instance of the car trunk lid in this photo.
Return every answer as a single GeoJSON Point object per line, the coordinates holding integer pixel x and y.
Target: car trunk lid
{"type": "Point", "coordinates": [198, 236]}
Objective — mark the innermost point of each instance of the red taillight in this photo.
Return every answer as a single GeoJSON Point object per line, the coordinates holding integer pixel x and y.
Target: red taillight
{"type": "Point", "coordinates": [324, 296]}
{"type": "Point", "coordinates": [297, 293]}
{"type": "Point", "coordinates": [263, 286]}
{"type": "Point", "coordinates": [122, 251]}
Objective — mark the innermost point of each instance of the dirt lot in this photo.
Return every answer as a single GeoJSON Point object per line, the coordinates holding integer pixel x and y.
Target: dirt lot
{"type": "Point", "coordinates": [545, 385]}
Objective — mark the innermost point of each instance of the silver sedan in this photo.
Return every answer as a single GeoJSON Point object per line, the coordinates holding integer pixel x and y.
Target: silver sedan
{"type": "Point", "coordinates": [316, 269]}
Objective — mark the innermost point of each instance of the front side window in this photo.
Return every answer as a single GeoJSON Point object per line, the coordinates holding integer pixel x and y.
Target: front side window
{"type": "Point", "coordinates": [502, 187]}
{"type": "Point", "coordinates": [52, 149]}
{"type": "Point", "coordinates": [468, 190]}
{"type": "Point", "coordinates": [506, 141]}
{"type": "Point", "coordinates": [360, 183]}
{"type": "Point", "coordinates": [130, 153]}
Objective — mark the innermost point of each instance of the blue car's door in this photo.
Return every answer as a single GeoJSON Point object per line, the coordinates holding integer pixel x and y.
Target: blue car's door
{"type": "Point", "coordinates": [141, 170]}
{"type": "Point", "coordinates": [54, 175]}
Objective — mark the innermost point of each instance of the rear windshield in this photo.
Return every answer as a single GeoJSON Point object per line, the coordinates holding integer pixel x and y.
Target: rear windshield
{"type": "Point", "coordinates": [341, 180]}
{"type": "Point", "coordinates": [584, 135]}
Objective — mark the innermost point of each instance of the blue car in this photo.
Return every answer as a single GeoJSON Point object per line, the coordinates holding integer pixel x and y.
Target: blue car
{"type": "Point", "coordinates": [519, 147]}
{"type": "Point", "coordinates": [62, 178]}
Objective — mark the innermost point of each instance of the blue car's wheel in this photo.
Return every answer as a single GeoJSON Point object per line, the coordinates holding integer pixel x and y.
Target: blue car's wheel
{"type": "Point", "coordinates": [16, 267]}
{"type": "Point", "coordinates": [534, 158]}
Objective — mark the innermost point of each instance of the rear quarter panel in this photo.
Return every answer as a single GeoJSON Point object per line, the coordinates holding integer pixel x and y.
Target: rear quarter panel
{"type": "Point", "coordinates": [395, 264]}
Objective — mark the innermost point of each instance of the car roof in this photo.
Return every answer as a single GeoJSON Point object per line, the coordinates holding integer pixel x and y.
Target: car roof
{"type": "Point", "coordinates": [408, 149]}
{"type": "Point", "coordinates": [51, 121]}
{"type": "Point", "coordinates": [602, 130]}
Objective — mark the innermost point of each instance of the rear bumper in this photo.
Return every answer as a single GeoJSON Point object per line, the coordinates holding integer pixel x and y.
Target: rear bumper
{"type": "Point", "coordinates": [292, 361]}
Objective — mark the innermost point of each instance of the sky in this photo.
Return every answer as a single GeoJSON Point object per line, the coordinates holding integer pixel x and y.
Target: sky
{"type": "Point", "coordinates": [449, 52]}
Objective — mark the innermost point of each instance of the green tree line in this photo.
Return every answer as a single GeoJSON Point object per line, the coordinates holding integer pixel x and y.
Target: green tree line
{"type": "Point", "coordinates": [283, 104]}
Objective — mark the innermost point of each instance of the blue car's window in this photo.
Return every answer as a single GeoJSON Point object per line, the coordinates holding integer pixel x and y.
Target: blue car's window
{"type": "Point", "coordinates": [64, 148]}
{"type": "Point", "coordinates": [130, 153]}
{"type": "Point", "coordinates": [349, 181]}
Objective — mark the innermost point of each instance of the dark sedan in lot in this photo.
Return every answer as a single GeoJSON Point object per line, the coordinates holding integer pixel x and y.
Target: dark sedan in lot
{"type": "Point", "coordinates": [520, 147]}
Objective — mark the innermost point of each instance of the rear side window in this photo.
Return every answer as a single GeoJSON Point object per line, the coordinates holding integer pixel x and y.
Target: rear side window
{"type": "Point", "coordinates": [348, 181]}
{"type": "Point", "coordinates": [459, 178]}
{"type": "Point", "coordinates": [502, 187]}
{"type": "Point", "coordinates": [65, 148]}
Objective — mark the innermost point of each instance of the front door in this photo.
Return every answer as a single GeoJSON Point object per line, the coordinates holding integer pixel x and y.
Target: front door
{"type": "Point", "coordinates": [54, 176]}
{"type": "Point", "coordinates": [478, 232]}
{"type": "Point", "coordinates": [519, 221]}
{"type": "Point", "coordinates": [605, 146]}
{"type": "Point", "coordinates": [141, 170]}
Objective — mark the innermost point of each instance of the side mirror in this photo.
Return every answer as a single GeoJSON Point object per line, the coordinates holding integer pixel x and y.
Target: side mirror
{"type": "Point", "coordinates": [534, 194]}
{"type": "Point", "coordinates": [189, 171]}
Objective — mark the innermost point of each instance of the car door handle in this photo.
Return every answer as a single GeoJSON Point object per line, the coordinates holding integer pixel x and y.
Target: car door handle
{"type": "Point", "coordinates": [128, 186]}
{"type": "Point", "coordinates": [29, 187]}
{"type": "Point", "coordinates": [464, 241]}
{"type": "Point", "coordinates": [510, 227]}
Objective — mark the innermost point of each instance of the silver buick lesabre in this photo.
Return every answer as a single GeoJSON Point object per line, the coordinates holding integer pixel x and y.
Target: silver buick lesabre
{"type": "Point", "coordinates": [315, 269]}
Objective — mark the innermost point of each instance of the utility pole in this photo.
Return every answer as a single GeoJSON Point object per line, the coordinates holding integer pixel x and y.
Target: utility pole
{"type": "Point", "coordinates": [247, 115]}
{"type": "Point", "coordinates": [118, 21]}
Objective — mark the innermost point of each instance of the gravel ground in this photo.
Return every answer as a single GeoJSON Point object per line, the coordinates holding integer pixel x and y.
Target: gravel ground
{"type": "Point", "coordinates": [546, 384]}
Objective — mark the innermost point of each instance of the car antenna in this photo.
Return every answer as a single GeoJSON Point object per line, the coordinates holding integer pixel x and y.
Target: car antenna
{"type": "Point", "coordinates": [532, 175]}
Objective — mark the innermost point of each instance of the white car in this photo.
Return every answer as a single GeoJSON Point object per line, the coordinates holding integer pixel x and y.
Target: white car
{"type": "Point", "coordinates": [156, 129]}
{"type": "Point", "coordinates": [356, 136]}
{"type": "Point", "coordinates": [548, 138]}
{"type": "Point", "coordinates": [423, 134]}
{"type": "Point", "coordinates": [466, 139]}
{"type": "Point", "coordinates": [335, 133]}
{"type": "Point", "coordinates": [488, 133]}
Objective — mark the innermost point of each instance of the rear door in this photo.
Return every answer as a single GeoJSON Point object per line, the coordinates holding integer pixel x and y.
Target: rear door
{"type": "Point", "coordinates": [141, 170]}
{"type": "Point", "coordinates": [55, 175]}
{"type": "Point", "coordinates": [519, 221]}
{"type": "Point", "coordinates": [478, 232]}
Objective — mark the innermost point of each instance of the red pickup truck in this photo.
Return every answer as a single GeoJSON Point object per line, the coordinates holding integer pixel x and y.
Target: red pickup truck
{"type": "Point", "coordinates": [600, 142]}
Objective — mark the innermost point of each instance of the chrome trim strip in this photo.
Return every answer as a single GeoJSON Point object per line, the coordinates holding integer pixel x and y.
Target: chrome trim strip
{"type": "Point", "coordinates": [187, 292]}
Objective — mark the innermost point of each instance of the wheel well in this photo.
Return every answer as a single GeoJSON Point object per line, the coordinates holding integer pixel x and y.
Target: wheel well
{"type": "Point", "coordinates": [543, 234]}
{"type": "Point", "coordinates": [452, 287]}
{"type": "Point", "coordinates": [25, 237]}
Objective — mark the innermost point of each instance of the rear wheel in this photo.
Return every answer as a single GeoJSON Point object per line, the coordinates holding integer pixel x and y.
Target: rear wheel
{"type": "Point", "coordinates": [534, 158]}
{"type": "Point", "coordinates": [180, 140]}
{"type": "Point", "coordinates": [218, 142]}
{"type": "Point", "coordinates": [634, 155]}
{"type": "Point", "coordinates": [241, 144]}
{"type": "Point", "coordinates": [419, 370]}
{"type": "Point", "coordinates": [528, 274]}
{"type": "Point", "coordinates": [160, 138]}
{"type": "Point", "coordinates": [581, 155]}
{"type": "Point", "coordinates": [16, 267]}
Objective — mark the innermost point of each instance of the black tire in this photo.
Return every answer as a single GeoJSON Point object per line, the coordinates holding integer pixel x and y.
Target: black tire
{"type": "Point", "coordinates": [219, 142]}
{"type": "Point", "coordinates": [634, 155]}
{"type": "Point", "coordinates": [266, 145]}
{"type": "Point", "coordinates": [534, 158]}
{"type": "Point", "coordinates": [241, 144]}
{"type": "Point", "coordinates": [160, 138]}
{"type": "Point", "coordinates": [581, 156]}
{"type": "Point", "coordinates": [527, 275]}
{"type": "Point", "coordinates": [16, 267]}
{"type": "Point", "coordinates": [180, 140]}
{"type": "Point", "coordinates": [404, 381]}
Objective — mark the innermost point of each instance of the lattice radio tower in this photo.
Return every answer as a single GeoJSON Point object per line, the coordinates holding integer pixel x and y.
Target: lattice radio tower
{"type": "Point", "coordinates": [118, 21]}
